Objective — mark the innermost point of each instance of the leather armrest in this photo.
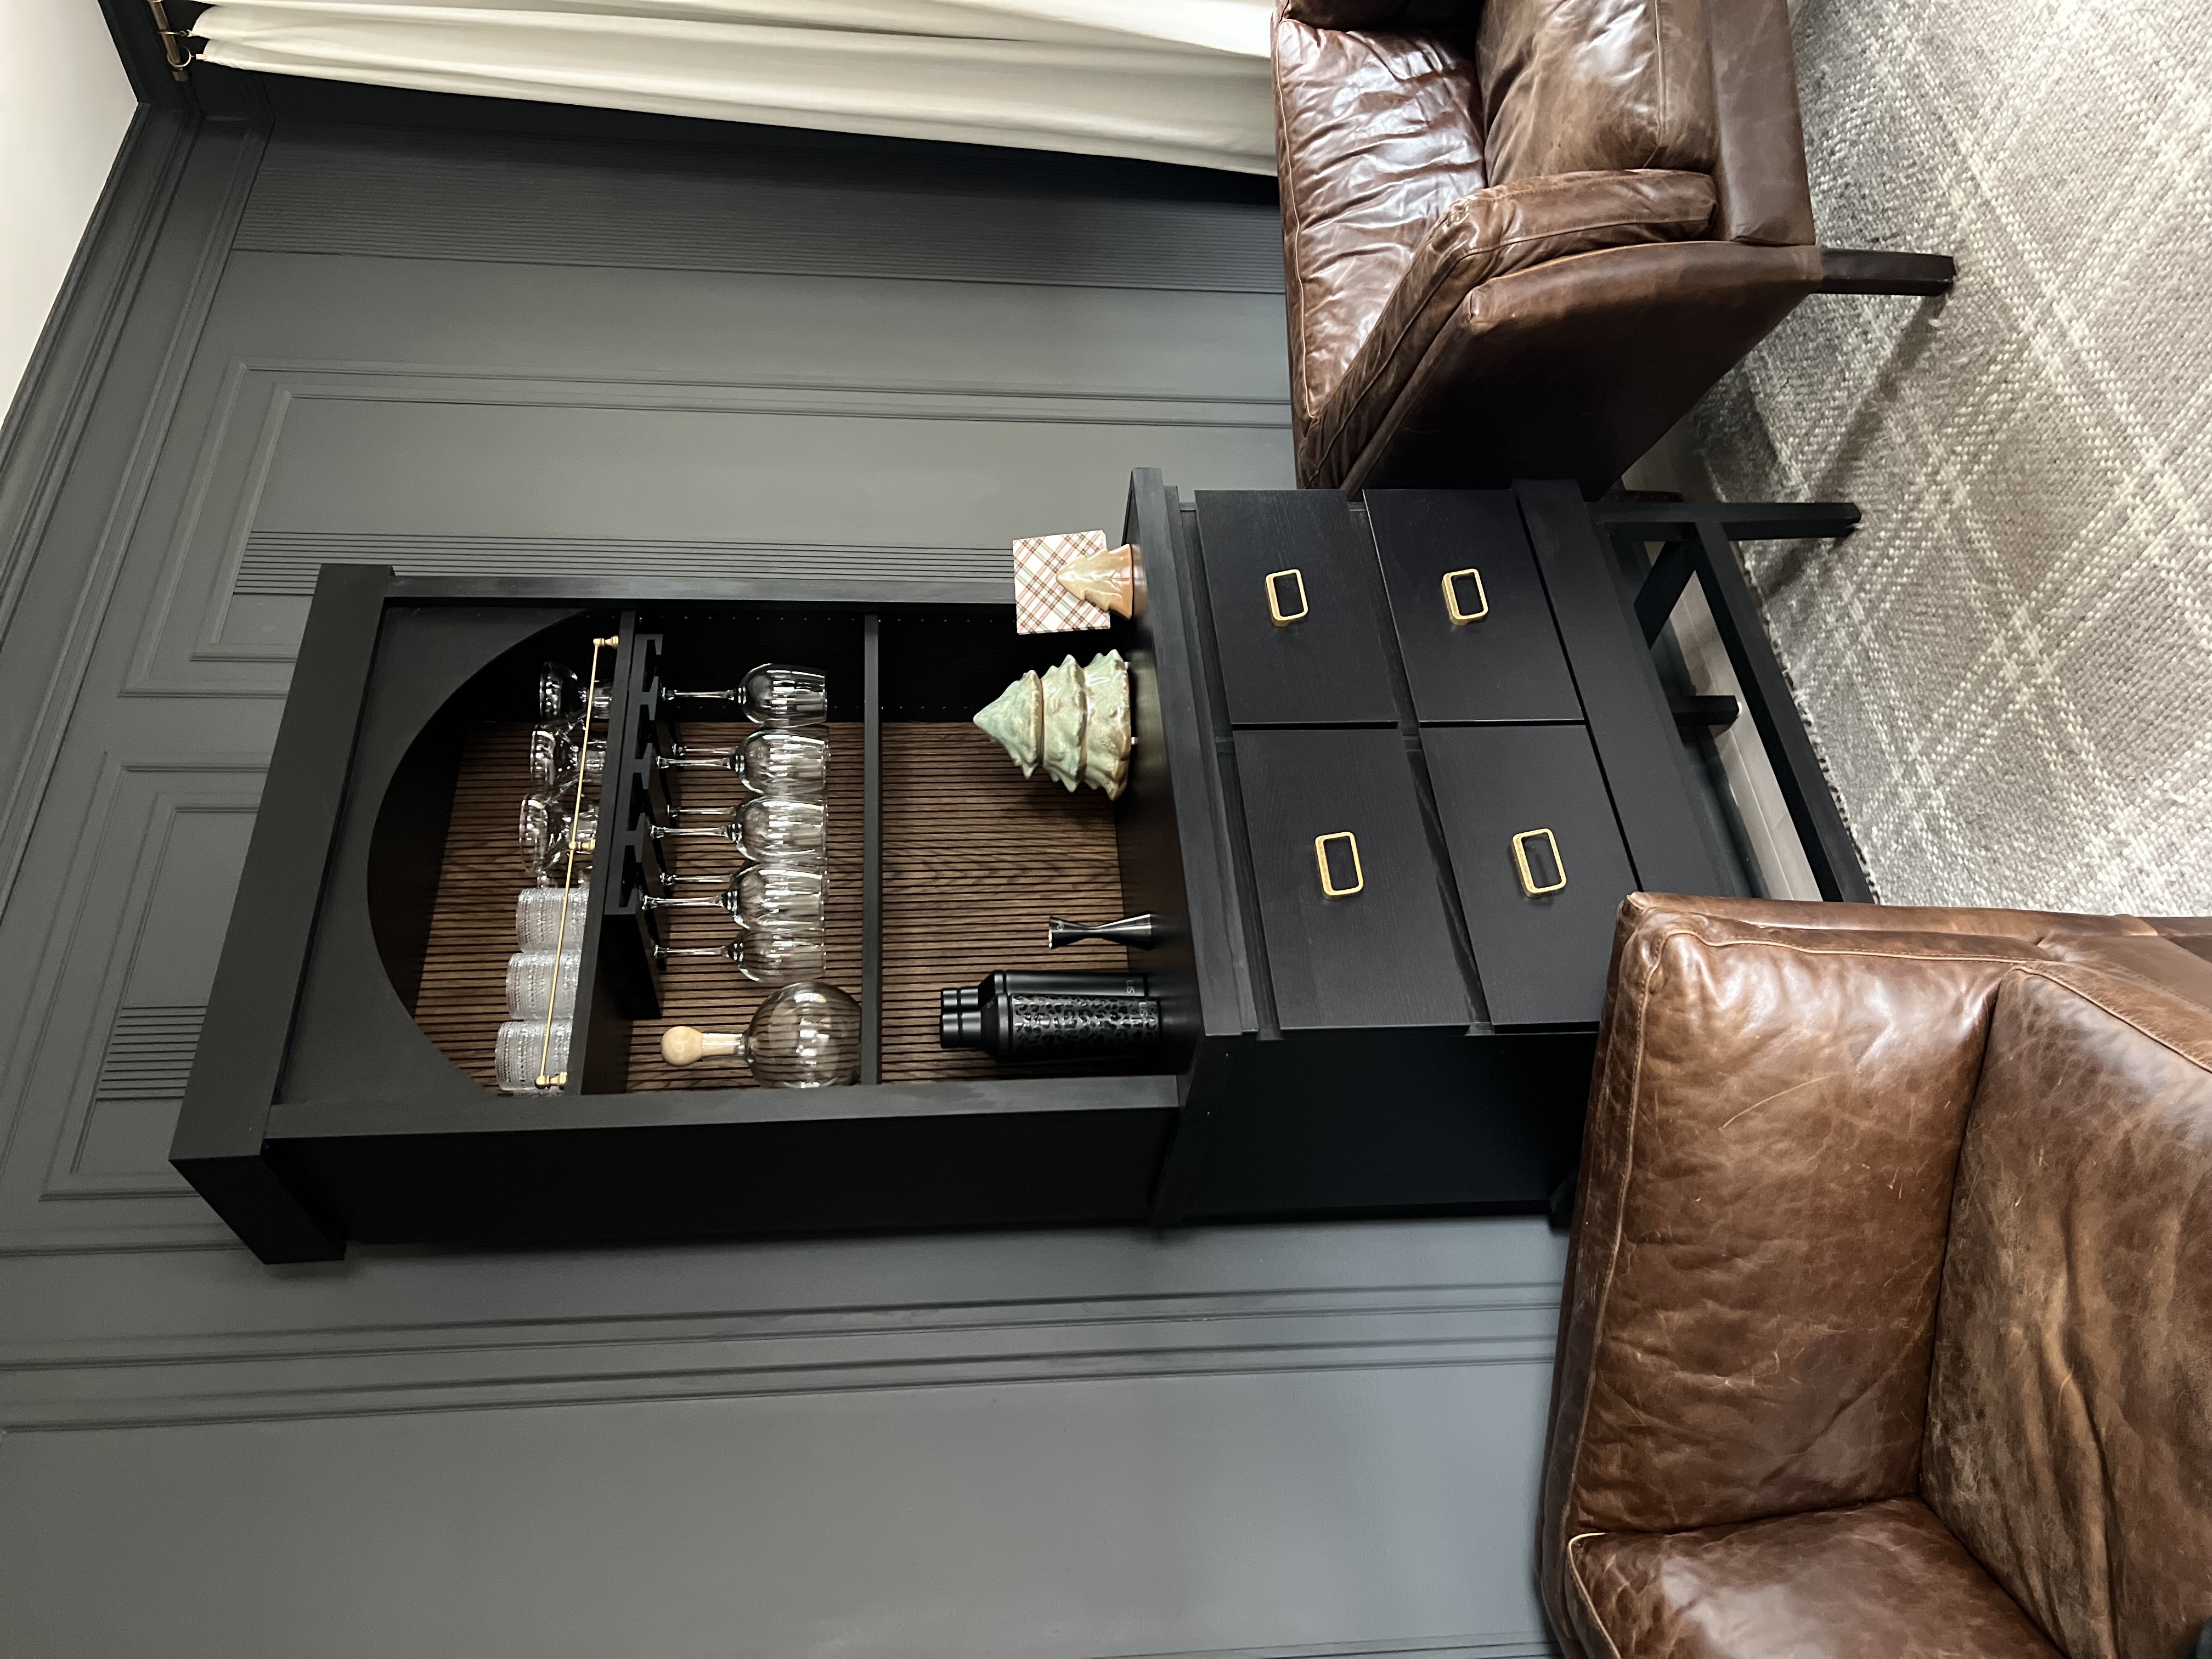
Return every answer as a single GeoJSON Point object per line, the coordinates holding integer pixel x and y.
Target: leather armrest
{"type": "Point", "coordinates": [1766, 197]}
{"type": "Point", "coordinates": [1503, 228]}
{"type": "Point", "coordinates": [1774, 1125]}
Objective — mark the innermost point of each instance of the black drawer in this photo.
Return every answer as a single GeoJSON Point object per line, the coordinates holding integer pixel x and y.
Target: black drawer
{"type": "Point", "coordinates": [1503, 660]}
{"type": "Point", "coordinates": [1542, 956]}
{"type": "Point", "coordinates": [1324, 664]}
{"type": "Point", "coordinates": [1383, 954]}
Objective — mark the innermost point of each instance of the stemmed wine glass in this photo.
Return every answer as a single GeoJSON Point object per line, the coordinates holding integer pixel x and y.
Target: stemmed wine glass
{"type": "Point", "coordinates": [774, 761]}
{"type": "Point", "coordinates": [776, 958]}
{"type": "Point", "coordinates": [763, 898]}
{"type": "Point", "coordinates": [768, 830]}
{"type": "Point", "coordinates": [775, 693]}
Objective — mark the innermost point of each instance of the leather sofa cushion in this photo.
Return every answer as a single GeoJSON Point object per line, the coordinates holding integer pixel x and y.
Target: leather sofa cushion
{"type": "Point", "coordinates": [1882, 1582]}
{"type": "Point", "coordinates": [1503, 229]}
{"type": "Point", "coordinates": [1374, 136]}
{"type": "Point", "coordinates": [1773, 1130]}
{"type": "Point", "coordinates": [1575, 85]}
{"type": "Point", "coordinates": [2069, 1413]}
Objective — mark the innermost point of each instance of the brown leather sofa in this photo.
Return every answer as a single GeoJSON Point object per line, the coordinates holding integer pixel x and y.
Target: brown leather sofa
{"type": "Point", "coordinates": [1520, 238]}
{"type": "Point", "coordinates": [1888, 1319]}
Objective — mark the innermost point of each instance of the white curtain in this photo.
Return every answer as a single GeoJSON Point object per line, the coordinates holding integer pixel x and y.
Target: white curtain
{"type": "Point", "coordinates": [1182, 81]}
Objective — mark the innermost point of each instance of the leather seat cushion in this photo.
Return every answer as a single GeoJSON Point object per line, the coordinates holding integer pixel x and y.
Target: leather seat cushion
{"type": "Point", "coordinates": [1504, 228]}
{"type": "Point", "coordinates": [1883, 1581]}
{"type": "Point", "coordinates": [1375, 136]}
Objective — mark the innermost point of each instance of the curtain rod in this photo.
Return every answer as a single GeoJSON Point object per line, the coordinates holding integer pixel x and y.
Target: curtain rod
{"type": "Point", "coordinates": [176, 43]}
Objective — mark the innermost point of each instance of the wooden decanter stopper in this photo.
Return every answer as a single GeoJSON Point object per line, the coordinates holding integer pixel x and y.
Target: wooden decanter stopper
{"type": "Point", "coordinates": [685, 1045]}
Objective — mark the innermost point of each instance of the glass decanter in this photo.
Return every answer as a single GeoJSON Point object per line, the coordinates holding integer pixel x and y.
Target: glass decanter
{"type": "Point", "coordinates": [807, 1035]}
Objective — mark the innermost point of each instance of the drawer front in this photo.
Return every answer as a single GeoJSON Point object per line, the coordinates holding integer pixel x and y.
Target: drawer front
{"type": "Point", "coordinates": [1324, 664]}
{"type": "Point", "coordinates": [1381, 955]}
{"type": "Point", "coordinates": [1501, 660]}
{"type": "Point", "coordinates": [1542, 956]}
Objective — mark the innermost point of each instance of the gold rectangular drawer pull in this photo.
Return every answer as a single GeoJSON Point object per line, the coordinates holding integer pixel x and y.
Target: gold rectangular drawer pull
{"type": "Point", "coordinates": [1529, 884]}
{"type": "Point", "coordinates": [1328, 887]}
{"type": "Point", "coordinates": [1284, 618]}
{"type": "Point", "coordinates": [1459, 618]}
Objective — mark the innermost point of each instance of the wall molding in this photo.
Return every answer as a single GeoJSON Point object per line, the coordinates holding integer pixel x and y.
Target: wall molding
{"type": "Point", "coordinates": [430, 195]}
{"type": "Point", "coordinates": [146, 1061]}
{"type": "Point", "coordinates": [284, 562]}
{"type": "Point", "coordinates": [258, 396]}
{"type": "Point", "coordinates": [165, 164]}
{"type": "Point", "coordinates": [375, 1371]}
{"type": "Point", "coordinates": [52, 404]}
{"type": "Point", "coordinates": [69, 1209]}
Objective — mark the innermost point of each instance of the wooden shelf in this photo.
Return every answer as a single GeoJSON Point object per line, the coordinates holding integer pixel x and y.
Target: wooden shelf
{"type": "Point", "coordinates": [976, 858]}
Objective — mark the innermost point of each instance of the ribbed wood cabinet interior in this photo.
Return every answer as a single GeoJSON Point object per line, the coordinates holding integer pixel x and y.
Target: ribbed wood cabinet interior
{"type": "Point", "coordinates": [944, 862]}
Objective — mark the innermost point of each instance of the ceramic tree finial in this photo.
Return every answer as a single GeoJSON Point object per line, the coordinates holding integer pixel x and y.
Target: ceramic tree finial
{"type": "Point", "coordinates": [1016, 719]}
{"type": "Point", "coordinates": [1073, 720]}
{"type": "Point", "coordinates": [1107, 580]}
{"type": "Point", "coordinates": [1065, 718]}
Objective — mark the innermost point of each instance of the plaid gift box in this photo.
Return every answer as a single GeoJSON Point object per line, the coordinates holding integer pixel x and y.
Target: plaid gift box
{"type": "Point", "coordinates": [1042, 605]}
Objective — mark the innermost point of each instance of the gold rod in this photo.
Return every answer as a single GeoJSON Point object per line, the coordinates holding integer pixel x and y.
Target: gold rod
{"type": "Point", "coordinates": [568, 877]}
{"type": "Point", "coordinates": [176, 43]}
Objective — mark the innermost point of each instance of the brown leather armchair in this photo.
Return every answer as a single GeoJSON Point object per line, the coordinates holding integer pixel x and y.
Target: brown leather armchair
{"type": "Point", "coordinates": [1520, 238]}
{"type": "Point", "coordinates": [1888, 1320]}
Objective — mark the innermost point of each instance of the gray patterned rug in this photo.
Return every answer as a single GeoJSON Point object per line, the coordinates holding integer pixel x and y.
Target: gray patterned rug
{"type": "Point", "coordinates": [2009, 669]}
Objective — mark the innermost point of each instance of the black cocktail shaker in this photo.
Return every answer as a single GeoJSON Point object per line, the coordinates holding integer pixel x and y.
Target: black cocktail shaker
{"type": "Point", "coordinates": [1023, 1015]}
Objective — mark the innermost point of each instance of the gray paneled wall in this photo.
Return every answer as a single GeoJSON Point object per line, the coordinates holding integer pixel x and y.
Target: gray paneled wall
{"type": "Point", "coordinates": [464, 354]}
